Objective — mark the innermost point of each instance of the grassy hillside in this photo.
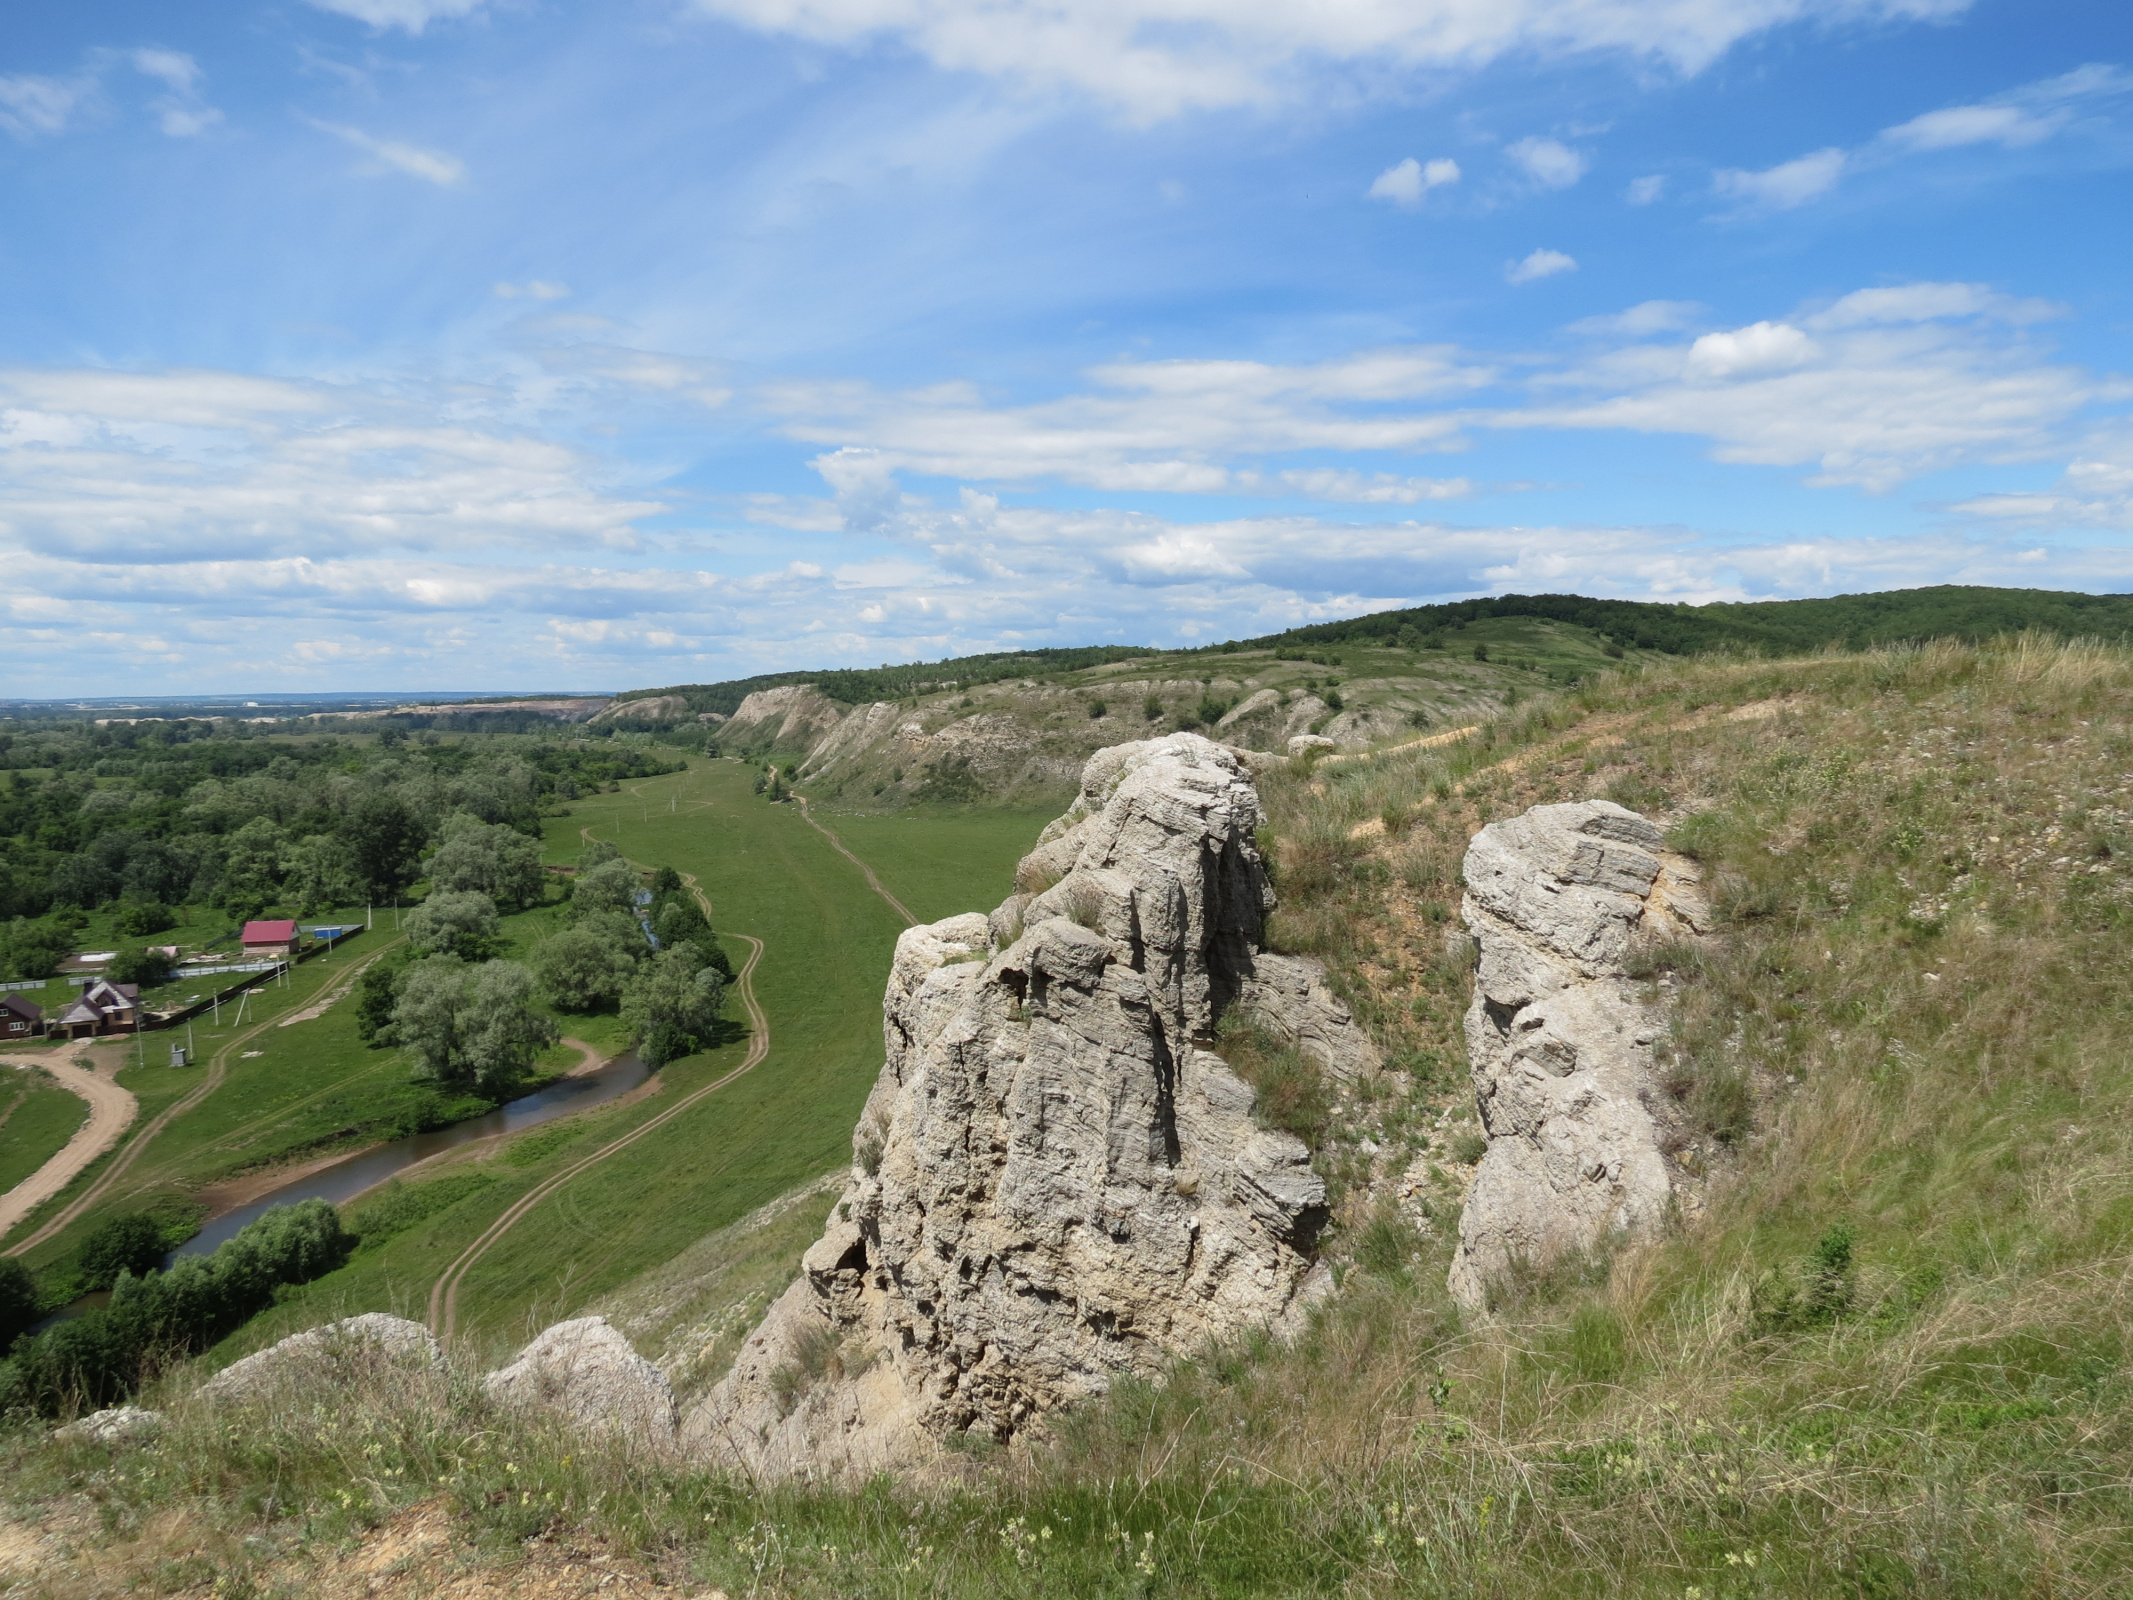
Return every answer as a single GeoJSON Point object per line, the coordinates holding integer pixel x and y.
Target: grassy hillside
{"type": "Point", "coordinates": [1769, 627]}
{"type": "Point", "coordinates": [1889, 1357]}
{"type": "Point", "coordinates": [37, 1118]}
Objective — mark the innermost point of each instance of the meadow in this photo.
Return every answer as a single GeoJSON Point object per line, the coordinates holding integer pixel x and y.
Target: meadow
{"type": "Point", "coordinates": [37, 1118]}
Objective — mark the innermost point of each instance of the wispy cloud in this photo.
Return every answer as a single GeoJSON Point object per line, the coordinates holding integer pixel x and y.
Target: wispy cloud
{"type": "Point", "coordinates": [32, 106]}
{"type": "Point", "coordinates": [1157, 58]}
{"type": "Point", "coordinates": [431, 166]}
{"type": "Point", "coordinates": [412, 16]}
{"type": "Point", "coordinates": [1789, 184]}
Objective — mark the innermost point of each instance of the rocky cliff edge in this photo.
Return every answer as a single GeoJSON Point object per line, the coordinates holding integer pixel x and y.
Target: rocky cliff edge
{"type": "Point", "coordinates": [1055, 1181]}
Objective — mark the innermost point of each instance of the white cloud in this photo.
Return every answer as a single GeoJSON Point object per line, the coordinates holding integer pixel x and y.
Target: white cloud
{"type": "Point", "coordinates": [411, 15]}
{"type": "Point", "coordinates": [1779, 188]}
{"type": "Point", "coordinates": [1408, 181]}
{"type": "Point", "coordinates": [2095, 491]}
{"type": "Point", "coordinates": [31, 105]}
{"type": "Point", "coordinates": [533, 289]}
{"type": "Point", "coordinates": [1540, 264]}
{"type": "Point", "coordinates": [174, 67]}
{"type": "Point", "coordinates": [1156, 58]}
{"type": "Point", "coordinates": [1372, 488]}
{"type": "Point", "coordinates": [1548, 162]}
{"type": "Point", "coordinates": [1761, 347]}
{"type": "Point", "coordinates": [1641, 321]}
{"type": "Point", "coordinates": [431, 166]}
{"type": "Point", "coordinates": [2024, 116]}
{"type": "Point", "coordinates": [1869, 399]}
{"type": "Point", "coordinates": [1644, 191]}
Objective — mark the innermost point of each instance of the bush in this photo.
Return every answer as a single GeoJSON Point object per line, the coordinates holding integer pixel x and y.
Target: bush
{"type": "Point", "coordinates": [140, 919]}
{"type": "Point", "coordinates": [1098, 710]}
{"type": "Point", "coordinates": [1152, 708]}
{"type": "Point", "coordinates": [377, 991]}
{"type": "Point", "coordinates": [132, 1243]}
{"type": "Point", "coordinates": [105, 1353]}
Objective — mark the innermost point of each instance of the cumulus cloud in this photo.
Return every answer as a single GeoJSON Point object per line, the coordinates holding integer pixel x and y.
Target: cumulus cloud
{"type": "Point", "coordinates": [1548, 162]}
{"type": "Point", "coordinates": [431, 166]}
{"type": "Point", "coordinates": [411, 16]}
{"type": "Point", "coordinates": [1156, 58]}
{"type": "Point", "coordinates": [1408, 181]}
{"type": "Point", "coordinates": [1540, 264]}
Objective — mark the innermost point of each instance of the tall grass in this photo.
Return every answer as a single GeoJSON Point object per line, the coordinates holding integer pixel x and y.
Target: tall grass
{"type": "Point", "coordinates": [1886, 1354]}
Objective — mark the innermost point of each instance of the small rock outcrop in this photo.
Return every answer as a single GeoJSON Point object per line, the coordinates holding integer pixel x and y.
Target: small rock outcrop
{"type": "Point", "coordinates": [1056, 1180]}
{"type": "Point", "coordinates": [355, 1348]}
{"type": "Point", "coordinates": [586, 1370]}
{"type": "Point", "coordinates": [114, 1426]}
{"type": "Point", "coordinates": [1560, 1041]}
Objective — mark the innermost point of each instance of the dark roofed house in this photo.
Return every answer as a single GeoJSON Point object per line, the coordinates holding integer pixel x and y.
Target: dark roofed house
{"type": "Point", "coordinates": [270, 941]}
{"type": "Point", "coordinates": [20, 1018]}
{"type": "Point", "coordinates": [104, 1007]}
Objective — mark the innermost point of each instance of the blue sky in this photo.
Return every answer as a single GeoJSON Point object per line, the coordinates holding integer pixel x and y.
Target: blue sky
{"type": "Point", "coordinates": [502, 344]}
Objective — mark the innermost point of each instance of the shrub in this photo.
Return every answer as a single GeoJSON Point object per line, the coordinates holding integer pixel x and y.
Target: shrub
{"type": "Point", "coordinates": [18, 1301]}
{"type": "Point", "coordinates": [1098, 710]}
{"type": "Point", "coordinates": [132, 1243]}
{"type": "Point", "coordinates": [1152, 709]}
{"type": "Point", "coordinates": [145, 965]}
{"type": "Point", "coordinates": [141, 918]}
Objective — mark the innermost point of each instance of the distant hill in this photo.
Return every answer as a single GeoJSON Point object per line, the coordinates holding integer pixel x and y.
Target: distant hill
{"type": "Point", "coordinates": [1766, 627]}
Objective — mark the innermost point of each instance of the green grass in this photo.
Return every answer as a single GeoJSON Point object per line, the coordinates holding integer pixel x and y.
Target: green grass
{"type": "Point", "coordinates": [40, 1117]}
{"type": "Point", "coordinates": [941, 863]}
{"type": "Point", "coordinates": [829, 940]}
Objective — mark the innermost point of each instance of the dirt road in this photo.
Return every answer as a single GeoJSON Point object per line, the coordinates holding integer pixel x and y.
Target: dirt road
{"type": "Point", "coordinates": [444, 1294]}
{"type": "Point", "coordinates": [218, 1067]}
{"type": "Point", "coordinates": [837, 845]}
{"type": "Point", "coordinates": [111, 1113]}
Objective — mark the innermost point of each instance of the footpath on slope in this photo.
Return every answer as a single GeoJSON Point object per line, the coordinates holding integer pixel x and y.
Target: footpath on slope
{"type": "Point", "coordinates": [873, 882]}
{"type": "Point", "coordinates": [111, 1112]}
{"type": "Point", "coordinates": [217, 1069]}
{"type": "Point", "coordinates": [444, 1293]}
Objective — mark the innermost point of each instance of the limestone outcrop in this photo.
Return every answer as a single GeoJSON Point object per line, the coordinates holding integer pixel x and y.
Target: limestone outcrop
{"type": "Point", "coordinates": [1056, 1180]}
{"type": "Point", "coordinates": [318, 1358]}
{"type": "Point", "coordinates": [115, 1426]}
{"type": "Point", "coordinates": [1560, 1041]}
{"type": "Point", "coordinates": [587, 1370]}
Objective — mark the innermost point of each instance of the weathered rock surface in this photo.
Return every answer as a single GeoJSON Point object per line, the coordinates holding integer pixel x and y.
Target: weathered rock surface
{"type": "Point", "coordinates": [1055, 1181]}
{"type": "Point", "coordinates": [1303, 744]}
{"type": "Point", "coordinates": [587, 1370]}
{"type": "Point", "coordinates": [319, 1358]}
{"type": "Point", "coordinates": [115, 1425]}
{"type": "Point", "coordinates": [1560, 1042]}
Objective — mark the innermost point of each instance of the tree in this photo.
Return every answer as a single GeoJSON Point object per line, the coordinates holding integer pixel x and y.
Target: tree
{"type": "Point", "coordinates": [18, 1301]}
{"type": "Point", "coordinates": [495, 860]}
{"type": "Point", "coordinates": [385, 838]}
{"type": "Point", "coordinates": [590, 961]}
{"type": "Point", "coordinates": [146, 965]}
{"type": "Point", "coordinates": [377, 991]}
{"type": "Point", "coordinates": [682, 921]}
{"type": "Point", "coordinates": [610, 886]}
{"type": "Point", "coordinates": [597, 851]}
{"type": "Point", "coordinates": [82, 880]}
{"type": "Point", "coordinates": [252, 864]}
{"type": "Point", "coordinates": [457, 923]}
{"type": "Point", "coordinates": [321, 872]}
{"type": "Point", "coordinates": [503, 1034]}
{"type": "Point", "coordinates": [671, 1008]}
{"type": "Point", "coordinates": [132, 1243]}
{"type": "Point", "coordinates": [143, 917]}
{"type": "Point", "coordinates": [470, 1027]}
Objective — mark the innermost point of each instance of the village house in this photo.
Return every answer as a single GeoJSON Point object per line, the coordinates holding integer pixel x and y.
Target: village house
{"type": "Point", "coordinates": [104, 1007]}
{"type": "Point", "coordinates": [270, 941]}
{"type": "Point", "coordinates": [20, 1018]}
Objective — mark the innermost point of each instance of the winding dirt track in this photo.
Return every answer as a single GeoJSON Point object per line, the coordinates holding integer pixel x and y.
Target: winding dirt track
{"type": "Point", "coordinates": [873, 882]}
{"type": "Point", "coordinates": [444, 1294]}
{"type": "Point", "coordinates": [111, 1113]}
{"type": "Point", "coordinates": [217, 1068]}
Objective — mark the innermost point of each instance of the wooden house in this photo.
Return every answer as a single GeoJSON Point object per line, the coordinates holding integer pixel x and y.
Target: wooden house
{"type": "Point", "coordinates": [270, 941]}
{"type": "Point", "coordinates": [19, 1018]}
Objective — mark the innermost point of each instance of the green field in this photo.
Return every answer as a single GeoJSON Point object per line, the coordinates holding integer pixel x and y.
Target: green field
{"type": "Point", "coordinates": [37, 1118]}
{"type": "Point", "coordinates": [828, 942]}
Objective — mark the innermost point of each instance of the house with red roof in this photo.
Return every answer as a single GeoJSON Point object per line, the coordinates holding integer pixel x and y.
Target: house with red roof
{"type": "Point", "coordinates": [270, 941]}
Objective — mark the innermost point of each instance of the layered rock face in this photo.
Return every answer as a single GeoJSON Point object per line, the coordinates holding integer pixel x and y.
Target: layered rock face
{"type": "Point", "coordinates": [1559, 1040]}
{"type": "Point", "coordinates": [1055, 1181]}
